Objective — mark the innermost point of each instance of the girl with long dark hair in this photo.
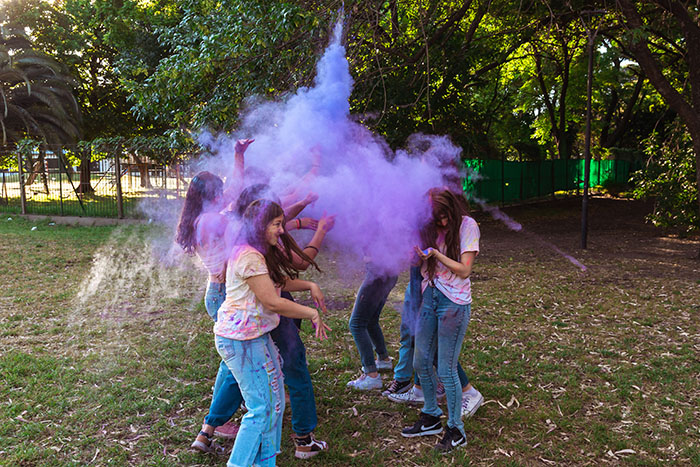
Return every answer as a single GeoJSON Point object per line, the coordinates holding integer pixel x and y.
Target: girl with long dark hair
{"type": "Point", "coordinates": [450, 243]}
{"type": "Point", "coordinates": [260, 265]}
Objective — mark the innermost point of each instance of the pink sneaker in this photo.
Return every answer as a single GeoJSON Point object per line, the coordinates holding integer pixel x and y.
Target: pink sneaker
{"type": "Point", "coordinates": [228, 430]}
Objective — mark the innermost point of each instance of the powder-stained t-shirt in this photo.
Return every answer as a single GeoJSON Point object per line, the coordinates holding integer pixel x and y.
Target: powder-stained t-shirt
{"type": "Point", "coordinates": [242, 317]}
{"type": "Point", "coordinates": [454, 287]}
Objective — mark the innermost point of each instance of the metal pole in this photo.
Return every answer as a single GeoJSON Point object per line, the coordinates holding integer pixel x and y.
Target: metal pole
{"type": "Point", "coordinates": [22, 196]}
{"type": "Point", "coordinates": [587, 147]}
{"type": "Point", "coordinates": [118, 172]}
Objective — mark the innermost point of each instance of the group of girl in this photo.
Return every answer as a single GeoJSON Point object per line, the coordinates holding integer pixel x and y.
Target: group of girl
{"type": "Point", "coordinates": [242, 239]}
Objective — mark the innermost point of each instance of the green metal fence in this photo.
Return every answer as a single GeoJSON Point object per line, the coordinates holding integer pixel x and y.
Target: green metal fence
{"type": "Point", "coordinates": [507, 182]}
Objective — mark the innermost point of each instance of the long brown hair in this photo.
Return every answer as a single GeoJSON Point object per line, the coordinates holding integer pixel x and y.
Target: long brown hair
{"type": "Point", "coordinates": [278, 258]}
{"type": "Point", "coordinates": [205, 186]}
{"type": "Point", "coordinates": [448, 204]}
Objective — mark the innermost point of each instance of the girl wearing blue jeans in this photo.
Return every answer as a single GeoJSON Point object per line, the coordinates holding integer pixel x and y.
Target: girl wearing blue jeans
{"type": "Point", "coordinates": [451, 242]}
{"type": "Point", "coordinates": [259, 267]}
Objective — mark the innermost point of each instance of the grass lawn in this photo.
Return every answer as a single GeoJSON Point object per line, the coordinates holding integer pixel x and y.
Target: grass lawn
{"type": "Point", "coordinates": [107, 358]}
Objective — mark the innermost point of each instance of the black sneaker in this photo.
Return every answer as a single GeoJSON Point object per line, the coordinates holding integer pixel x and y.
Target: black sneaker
{"type": "Point", "coordinates": [397, 387]}
{"type": "Point", "coordinates": [424, 426]}
{"type": "Point", "coordinates": [452, 439]}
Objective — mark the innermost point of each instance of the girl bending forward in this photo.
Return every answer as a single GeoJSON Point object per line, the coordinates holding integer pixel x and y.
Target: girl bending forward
{"type": "Point", "coordinates": [451, 243]}
{"type": "Point", "coordinates": [259, 267]}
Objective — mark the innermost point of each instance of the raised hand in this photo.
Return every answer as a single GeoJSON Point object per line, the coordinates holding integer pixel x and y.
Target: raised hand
{"type": "Point", "coordinates": [326, 222]}
{"type": "Point", "coordinates": [242, 145]}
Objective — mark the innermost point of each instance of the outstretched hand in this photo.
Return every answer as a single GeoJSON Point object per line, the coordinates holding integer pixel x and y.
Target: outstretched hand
{"type": "Point", "coordinates": [242, 145]}
{"type": "Point", "coordinates": [310, 198]}
{"type": "Point", "coordinates": [308, 223]}
{"type": "Point", "coordinates": [326, 222]}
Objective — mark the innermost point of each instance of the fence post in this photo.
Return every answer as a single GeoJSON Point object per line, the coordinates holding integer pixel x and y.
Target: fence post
{"type": "Point", "coordinates": [118, 174]}
{"type": "Point", "coordinates": [59, 153]}
{"type": "Point", "coordinates": [503, 179]}
{"type": "Point", "coordinates": [22, 195]}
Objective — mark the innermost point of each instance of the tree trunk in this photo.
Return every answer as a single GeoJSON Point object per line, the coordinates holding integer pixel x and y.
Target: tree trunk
{"type": "Point", "coordinates": [85, 175]}
{"type": "Point", "coordinates": [44, 175]}
{"type": "Point", "coordinates": [143, 172]}
{"type": "Point", "coordinates": [688, 111]}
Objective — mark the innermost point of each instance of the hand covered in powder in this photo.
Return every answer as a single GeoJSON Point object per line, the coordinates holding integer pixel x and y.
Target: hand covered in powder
{"type": "Point", "coordinates": [320, 327]}
{"type": "Point", "coordinates": [310, 198]}
{"type": "Point", "coordinates": [308, 223]}
{"type": "Point", "coordinates": [242, 145]}
{"type": "Point", "coordinates": [425, 254]}
{"type": "Point", "coordinates": [326, 223]}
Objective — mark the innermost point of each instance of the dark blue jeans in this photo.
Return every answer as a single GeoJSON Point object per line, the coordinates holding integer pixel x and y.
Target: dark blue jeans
{"type": "Point", "coordinates": [296, 374]}
{"type": "Point", "coordinates": [364, 321]}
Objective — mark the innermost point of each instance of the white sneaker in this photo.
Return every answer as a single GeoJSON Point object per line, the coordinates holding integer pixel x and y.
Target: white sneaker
{"type": "Point", "coordinates": [470, 404]}
{"type": "Point", "coordinates": [366, 383]}
{"type": "Point", "coordinates": [412, 396]}
{"type": "Point", "coordinates": [384, 365]}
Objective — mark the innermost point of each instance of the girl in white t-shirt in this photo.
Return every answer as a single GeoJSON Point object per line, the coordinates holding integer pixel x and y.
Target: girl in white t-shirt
{"type": "Point", "coordinates": [450, 243]}
{"type": "Point", "coordinates": [259, 268]}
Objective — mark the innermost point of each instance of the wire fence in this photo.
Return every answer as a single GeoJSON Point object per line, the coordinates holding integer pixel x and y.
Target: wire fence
{"type": "Point", "coordinates": [115, 186]}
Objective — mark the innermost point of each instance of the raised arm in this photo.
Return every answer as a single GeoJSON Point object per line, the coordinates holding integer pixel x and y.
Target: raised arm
{"type": "Point", "coordinates": [236, 183]}
{"type": "Point", "coordinates": [325, 224]}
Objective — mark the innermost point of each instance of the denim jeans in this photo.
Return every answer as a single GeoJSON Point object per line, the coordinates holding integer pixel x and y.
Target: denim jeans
{"type": "Point", "coordinates": [441, 327]}
{"type": "Point", "coordinates": [296, 374]}
{"type": "Point", "coordinates": [257, 367]}
{"type": "Point", "coordinates": [227, 395]}
{"type": "Point", "coordinates": [409, 315]}
{"type": "Point", "coordinates": [413, 299]}
{"type": "Point", "coordinates": [364, 321]}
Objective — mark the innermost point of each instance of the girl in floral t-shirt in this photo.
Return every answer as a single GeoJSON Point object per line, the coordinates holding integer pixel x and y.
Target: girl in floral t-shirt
{"type": "Point", "coordinates": [260, 266]}
{"type": "Point", "coordinates": [450, 245]}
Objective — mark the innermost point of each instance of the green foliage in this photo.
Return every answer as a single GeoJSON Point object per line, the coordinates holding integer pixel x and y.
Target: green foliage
{"type": "Point", "coordinates": [36, 98]}
{"type": "Point", "coordinates": [670, 179]}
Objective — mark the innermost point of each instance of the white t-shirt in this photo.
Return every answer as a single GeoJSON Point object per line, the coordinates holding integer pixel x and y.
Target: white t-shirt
{"type": "Point", "coordinates": [241, 316]}
{"type": "Point", "coordinates": [454, 287]}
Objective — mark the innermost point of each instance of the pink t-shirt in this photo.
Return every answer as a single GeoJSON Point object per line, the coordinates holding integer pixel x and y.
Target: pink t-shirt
{"type": "Point", "coordinates": [454, 287]}
{"type": "Point", "coordinates": [241, 316]}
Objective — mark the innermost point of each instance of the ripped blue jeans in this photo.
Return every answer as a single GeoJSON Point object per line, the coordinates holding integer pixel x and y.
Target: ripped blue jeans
{"type": "Point", "coordinates": [256, 365]}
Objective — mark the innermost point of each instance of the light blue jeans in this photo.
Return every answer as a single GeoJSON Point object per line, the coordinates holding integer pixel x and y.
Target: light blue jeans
{"type": "Point", "coordinates": [257, 367]}
{"type": "Point", "coordinates": [412, 302]}
{"type": "Point", "coordinates": [227, 395]}
{"type": "Point", "coordinates": [441, 328]}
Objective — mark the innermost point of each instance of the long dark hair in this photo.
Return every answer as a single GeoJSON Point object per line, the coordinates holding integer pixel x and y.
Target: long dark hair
{"type": "Point", "coordinates": [205, 186]}
{"type": "Point", "coordinates": [278, 258]}
{"type": "Point", "coordinates": [448, 204]}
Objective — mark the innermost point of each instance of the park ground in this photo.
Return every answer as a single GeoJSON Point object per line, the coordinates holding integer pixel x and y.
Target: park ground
{"type": "Point", "coordinates": [106, 354]}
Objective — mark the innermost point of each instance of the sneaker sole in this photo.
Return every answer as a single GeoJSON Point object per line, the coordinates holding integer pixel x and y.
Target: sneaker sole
{"type": "Point", "coordinates": [435, 431]}
{"type": "Point", "coordinates": [401, 401]}
{"type": "Point", "coordinates": [306, 455]}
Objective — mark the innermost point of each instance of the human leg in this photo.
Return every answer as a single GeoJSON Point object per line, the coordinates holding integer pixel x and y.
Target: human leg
{"type": "Point", "coordinates": [255, 364]}
{"type": "Point", "coordinates": [426, 345]}
{"type": "Point", "coordinates": [380, 291]}
{"type": "Point", "coordinates": [296, 376]}
{"type": "Point", "coordinates": [452, 322]}
{"type": "Point", "coordinates": [409, 314]}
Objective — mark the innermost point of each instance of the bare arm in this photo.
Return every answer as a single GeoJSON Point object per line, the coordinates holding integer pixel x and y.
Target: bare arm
{"type": "Point", "coordinates": [325, 224]}
{"type": "Point", "coordinates": [264, 290]}
{"type": "Point", "coordinates": [236, 185]}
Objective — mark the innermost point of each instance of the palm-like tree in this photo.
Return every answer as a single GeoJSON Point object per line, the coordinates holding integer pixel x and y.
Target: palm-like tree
{"type": "Point", "coordinates": [36, 97]}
